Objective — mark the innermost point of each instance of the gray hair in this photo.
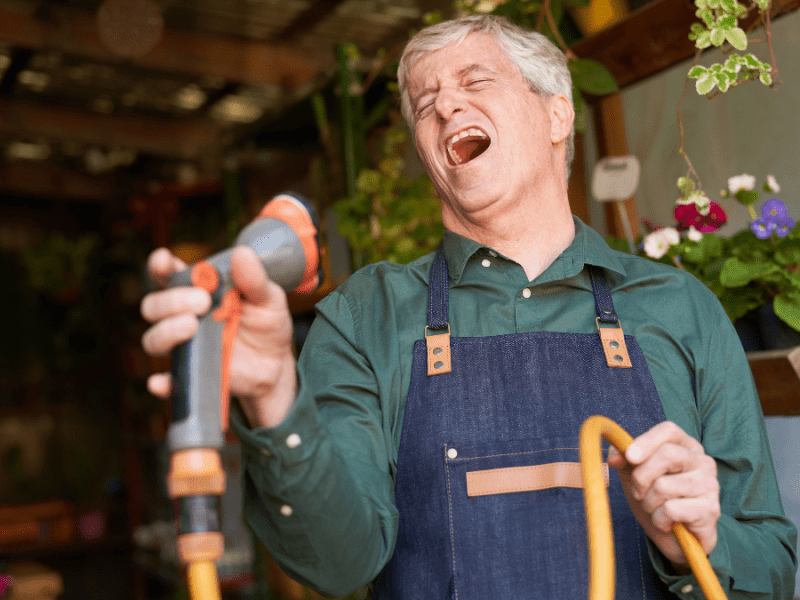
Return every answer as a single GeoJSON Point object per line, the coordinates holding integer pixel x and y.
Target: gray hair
{"type": "Point", "coordinates": [542, 64]}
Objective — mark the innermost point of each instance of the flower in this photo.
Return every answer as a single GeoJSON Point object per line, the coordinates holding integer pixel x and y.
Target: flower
{"type": "Point", "coordinates": [658, 242]}
{"type": "Point", "coordinates": [693, 234]}
{"type": "Point", "coordinates": [741, 182]}
{"type": "Point", "coordinates": [771, 185]}
{"type": "Point", "coordinates": [688, 215]}
{"type": "Point", "coordinates": [774, 217]}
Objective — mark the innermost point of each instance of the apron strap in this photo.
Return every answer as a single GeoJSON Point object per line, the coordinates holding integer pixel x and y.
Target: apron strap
{"type": "Point", "coordinates": [438, 289]}
{"type": "Point", "coordinates": [438, 343]}
{"type": "Point", "coordinates": [612, 338]}
{"type": "Point", "coordinates": [602, 297]}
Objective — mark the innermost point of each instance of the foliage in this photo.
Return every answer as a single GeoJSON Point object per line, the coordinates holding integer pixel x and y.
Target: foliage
{"type": "Point", "coordinates": [719, 27]}
{"type": "Point", "coordinates": [392, 216]}
{"type": "Point", "coordinates": [758, 266]}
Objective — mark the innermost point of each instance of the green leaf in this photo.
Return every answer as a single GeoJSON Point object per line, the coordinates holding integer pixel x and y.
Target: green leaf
{"type": "Point", "coordinates": [697, 71]}
{"type": "Point", "coordinates": [765, 77]}
{"type": "Point", "coordinates": [592, 77]}
{"type": "Point", "coordinates": [703, 40]}
{"type": "Point", "coordinates": [747, 197]}
{"type": "Point", "coordinates": [727, 22]}
{"type": "Point", "coordinates": [722, 82]}
{"type": "Point", "coordinates": [717, 36]}
{"type": "Point", "coordinates": [787, 308]}
{"type": "Point", "coordinates": [737, 38]}
{"type": "Point", "coordinates": [736, 273]}
{"type": "Point", "coordinates": [788, 254]}
{"type": "Point", "coordinates": [686, 185]}
{"type": "Point", "coordinates": [704, 85]}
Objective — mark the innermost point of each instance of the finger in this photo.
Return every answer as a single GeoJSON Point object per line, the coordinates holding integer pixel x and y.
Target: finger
{"type": "Point", "coordinates": [162, 337]}
{"type": "Point", "coordinates": [174, 301]}
{"type": "Point", "coordinates": [161, 264]}
{"type": "Point", "coordinates": [250, 278]}
{"type": "Point", "coordinates": [668, 459]}
{"type": "Point", "coordinates": [667, 432]}
{"type": "Point", "coordinates": [683, 485]}
{"type": "Point", "coordinates": [699, 515]}
{"type": "Point", "coordinates": [615, 459]}
{"type": "Point", "coordinates": [160, 384]}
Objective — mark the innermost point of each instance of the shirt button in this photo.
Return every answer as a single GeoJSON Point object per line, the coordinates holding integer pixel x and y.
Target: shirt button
{"type": "Point", "coordinates": [526, 293]}
{"type": "Point", "coordinates": [687, 588]}
{"type": "Point", "coordinates": [486, 262]}
{"type": "Point", "coordinates": [293, 441]}
{"type": "Point", "coordinates": [286, 510]}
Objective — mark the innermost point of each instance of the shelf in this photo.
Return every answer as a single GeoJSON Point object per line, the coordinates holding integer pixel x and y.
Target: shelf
{"type": "Point", "coordinates": [777, 377]}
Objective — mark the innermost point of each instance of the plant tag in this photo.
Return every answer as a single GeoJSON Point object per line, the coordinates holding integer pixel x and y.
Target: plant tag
{"type": "Point", "coordinates": [615, 178]}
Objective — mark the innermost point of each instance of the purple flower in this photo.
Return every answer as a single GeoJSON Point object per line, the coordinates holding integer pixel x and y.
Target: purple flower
{"type": "Point", "coordinates": [774, 217]}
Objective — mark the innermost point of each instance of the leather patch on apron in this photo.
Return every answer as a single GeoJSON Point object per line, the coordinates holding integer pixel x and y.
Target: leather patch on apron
{"type": "Point", "coordinates": [438, 353]}
{"type": "Point", "coordinates": [526, 479]}
{"type": "Point", "coordinates": [613, 339]}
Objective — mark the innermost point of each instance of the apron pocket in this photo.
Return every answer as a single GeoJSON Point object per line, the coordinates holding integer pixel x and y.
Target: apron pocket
{"type": "Point", "coordinates": [516, 531]}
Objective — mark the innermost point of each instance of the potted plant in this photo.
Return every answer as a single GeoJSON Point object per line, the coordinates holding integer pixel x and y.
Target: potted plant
{"type": "Point", "coordinates": [755, 273]}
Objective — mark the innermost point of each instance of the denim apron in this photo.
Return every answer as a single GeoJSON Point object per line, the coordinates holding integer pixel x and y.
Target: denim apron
{"type": "Point", "coordinates": [511, 404]}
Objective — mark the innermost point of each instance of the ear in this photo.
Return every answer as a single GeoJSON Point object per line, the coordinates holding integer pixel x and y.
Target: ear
{"type": "Point", "coordinates": [561, 117]}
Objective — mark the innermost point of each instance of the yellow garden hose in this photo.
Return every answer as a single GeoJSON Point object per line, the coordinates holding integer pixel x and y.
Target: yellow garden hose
{"type": "Point", "coordinates": [602, 570]}
{"type": "Point", "coordinates": [202, 579]}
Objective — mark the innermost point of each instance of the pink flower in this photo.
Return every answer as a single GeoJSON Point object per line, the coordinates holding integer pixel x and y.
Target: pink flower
{"type": "Point", "coordinates": [688, 216]}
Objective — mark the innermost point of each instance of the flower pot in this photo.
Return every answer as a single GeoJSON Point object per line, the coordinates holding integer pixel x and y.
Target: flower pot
{"type": "Point", "coordinates": [762, 329]}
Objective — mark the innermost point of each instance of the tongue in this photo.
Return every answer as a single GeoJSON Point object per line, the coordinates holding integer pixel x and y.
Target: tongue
{"type": "Point", "coordinates": [470, 147]}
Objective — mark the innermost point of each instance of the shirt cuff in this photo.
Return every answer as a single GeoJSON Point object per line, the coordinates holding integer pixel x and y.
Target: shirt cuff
{"type": "Point", "coordinates": [273, 450]}
{"type": "Point", "coordinates": [687, 586]}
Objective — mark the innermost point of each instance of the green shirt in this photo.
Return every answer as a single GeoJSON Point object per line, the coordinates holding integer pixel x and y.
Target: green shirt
{"type": "Point", "coordinates": [319, 487]}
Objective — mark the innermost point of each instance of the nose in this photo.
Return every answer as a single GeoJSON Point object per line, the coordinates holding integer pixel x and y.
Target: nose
{"type": "Point", "coordinates": [449, 101]}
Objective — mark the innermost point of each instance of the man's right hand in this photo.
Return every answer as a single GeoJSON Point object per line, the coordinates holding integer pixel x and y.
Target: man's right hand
{"type": "Point", "coordinates": [262, 365]}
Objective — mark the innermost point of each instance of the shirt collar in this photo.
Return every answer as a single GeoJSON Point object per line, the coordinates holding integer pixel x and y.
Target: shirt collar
{"type": "Point", "coordinates": [588, 247]}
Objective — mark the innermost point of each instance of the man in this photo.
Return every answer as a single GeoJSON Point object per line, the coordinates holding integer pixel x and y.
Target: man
{"type": "Point", "coordinates": [432, 450]}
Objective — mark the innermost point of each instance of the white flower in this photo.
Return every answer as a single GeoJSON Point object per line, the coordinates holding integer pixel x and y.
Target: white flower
{"type": "Point", "coordinates": [772, 184]}
{"type": "Point", "coordinates": [657, 243]}
{"type": "Point", "coordinates": [741, 182]}
{"type": "Point", "coordinates": [693, 234]}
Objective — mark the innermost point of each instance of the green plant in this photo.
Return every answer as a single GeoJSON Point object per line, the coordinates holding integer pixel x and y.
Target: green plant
{"type": "Point", "coordinates": [756, 267]}
{"type": "Point", "coordinates": [392, 216]}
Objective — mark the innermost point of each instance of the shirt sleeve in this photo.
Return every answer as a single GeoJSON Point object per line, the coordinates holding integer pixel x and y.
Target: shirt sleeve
{"type": "Point", "coordinates": [318, 487]}
{"type": "Point", "coordinates": [755, 556]}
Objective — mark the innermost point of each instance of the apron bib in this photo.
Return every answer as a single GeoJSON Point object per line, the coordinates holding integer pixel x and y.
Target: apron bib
{"type": "Point", "coordinates": [472, 526]}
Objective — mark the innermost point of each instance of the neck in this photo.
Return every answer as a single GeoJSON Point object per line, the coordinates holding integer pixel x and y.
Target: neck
{"type": "Point", "coordinates": [532, 233]}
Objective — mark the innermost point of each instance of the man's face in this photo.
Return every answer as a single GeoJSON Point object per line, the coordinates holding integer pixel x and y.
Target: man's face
{"type": "Point", "coordinates": [485, 138]}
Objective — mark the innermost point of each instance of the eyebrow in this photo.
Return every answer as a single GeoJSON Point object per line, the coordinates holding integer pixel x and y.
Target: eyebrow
{"type": "Point", "coordinates": [461, 73]}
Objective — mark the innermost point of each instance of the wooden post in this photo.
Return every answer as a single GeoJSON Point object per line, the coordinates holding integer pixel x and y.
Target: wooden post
{"type": "Point", "coordinates": [611, 141]}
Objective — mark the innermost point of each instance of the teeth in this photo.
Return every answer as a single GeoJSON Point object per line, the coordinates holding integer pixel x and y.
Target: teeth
{"type": "Point", "coordinates": [472, 131]}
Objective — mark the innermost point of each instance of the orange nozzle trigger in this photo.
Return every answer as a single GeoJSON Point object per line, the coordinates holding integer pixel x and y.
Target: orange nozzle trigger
{"type": "Point", "coordinates": [229, 311]}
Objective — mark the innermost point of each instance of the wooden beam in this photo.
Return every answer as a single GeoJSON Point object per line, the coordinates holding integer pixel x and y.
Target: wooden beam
{"type": "Point", "coordinates": [777, 377]}
{"type": "Point", "coordinates": [75, 32]}
{"type": "Point", "coordinates": [172, 138]}
{"type": "Point", "coordinates": [46, 180]}
{"type": "Point", "coordinates": [652, 39]}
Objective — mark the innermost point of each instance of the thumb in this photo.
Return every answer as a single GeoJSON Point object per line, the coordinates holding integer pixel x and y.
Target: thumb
{"type": "Point", "coordinates": [250, 278]}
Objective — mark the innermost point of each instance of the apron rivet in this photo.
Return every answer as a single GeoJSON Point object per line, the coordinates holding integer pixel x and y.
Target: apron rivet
{"type": "Point", "coordinates": [614, 344]}
{"type": "Point", "coordinates": [452, 453]}
{"type": "Point", "coordinates": [438, 365]}
{"type": "Point", "coordinates": [618, 358]}
{"type": "Point", "coordinates": [437, 351]}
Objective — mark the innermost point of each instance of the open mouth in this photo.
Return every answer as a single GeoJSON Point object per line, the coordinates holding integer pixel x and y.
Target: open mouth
{"type": "Point", "coordinates": [466, 145]}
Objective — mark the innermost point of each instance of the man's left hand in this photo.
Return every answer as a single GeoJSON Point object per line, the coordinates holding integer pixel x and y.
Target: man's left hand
{"type": "Point", "coordinates": [668, 478]}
